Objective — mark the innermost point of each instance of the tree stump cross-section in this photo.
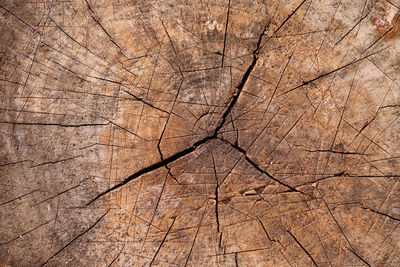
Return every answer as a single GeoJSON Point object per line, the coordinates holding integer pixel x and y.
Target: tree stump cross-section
{"type": "Point", "coordinates": [199, 133]}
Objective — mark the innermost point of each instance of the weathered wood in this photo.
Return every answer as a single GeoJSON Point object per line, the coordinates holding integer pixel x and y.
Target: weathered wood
{"type": "Point", "coordinates": [199, 133]}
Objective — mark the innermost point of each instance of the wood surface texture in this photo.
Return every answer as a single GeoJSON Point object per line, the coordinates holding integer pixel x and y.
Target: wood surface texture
{"type": "Point", "coordinates": [199, 133]}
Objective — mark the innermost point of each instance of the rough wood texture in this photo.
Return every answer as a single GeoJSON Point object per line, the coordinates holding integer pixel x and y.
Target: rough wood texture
{"type": "Point", "coordinates": [200, 133]}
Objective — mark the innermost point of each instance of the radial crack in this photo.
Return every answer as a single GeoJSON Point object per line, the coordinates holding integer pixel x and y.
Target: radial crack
{"type": "Point", "coordinates": [327, 73]}
{"type": "Point", "coordinates": [240, 86]}
{"type": "Point", "coordinates": [381, 213]}
{"type": "Point", "coordinates": [226, 32]}
{"type": "Point", "coordinates": [258, 168]}
{"type": "Point", "coordinates": [303, 248]}
{"type": "Point", "coordinates": [153, 167]}
{"type": "Point", "coordinates": [56, 124]}
{"type": "Point", "coordinates": [74, 239]}
{"type": "Point", "coordinates": [359, 257]}
{"type": "Point", "coordinates": [162, 242]}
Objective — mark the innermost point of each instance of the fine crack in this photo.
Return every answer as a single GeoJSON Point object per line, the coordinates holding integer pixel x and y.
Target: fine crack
{"type": "Point", "coordinates": [21, 20]}
{"type": "Point", "coordinates": [381, 213]}
{"type": "Point", "coordinates": [302, 247]}
{"type": "Point", "coordinates": [334, 152]}
{"type": "Point", "coordinates": [74, 239]}
{"type": "Point", "coordinates": [327, 73]}
{"type": "Point", "coordinates": [226, 33]}
{"type": "Point", "coordinates": [93, 15]}
{"type": "Point", "coordinates": [163, 241]}
{"type": "Point", "coordinates": [216, 192]}
{"type": "Point", "coordinates": [258, 168]}
{"type": "Point", "coordinates": [56, 124]}
{"type": "Point", "coordinates": [144, 101]}
{"type": "Point", "coordinates": [23, 234]}
{"type": "Point", "coordinates": [359, 257]}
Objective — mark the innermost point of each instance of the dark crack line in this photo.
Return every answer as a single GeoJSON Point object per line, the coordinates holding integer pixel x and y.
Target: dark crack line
{"type": "Point", "coordinates": [220, 241]}
{"type": "Point", "coordinates": [21, 20]}
{"type": "Point", "coordinates": [56, 161]}
{"type": "Point", "coordinates": [265, 231]}
{"type": "Point", "coordinates": [21, 196]}
{"type": "Point", "coordinates": [120, 83]}
{"type": "Point", "coordinates": [199, 69]}
{"type": "Point", "coordinates": [273, 240]}
{"type": "Point", "coordinates": [277, 85]}
{"type": "Point", "coordinates": [155, 211]}
{"type": "Point", "coordinates": [358, 22]}
{"type": "Point", "coordinates": [368, 123]}
{"type": "Point", "coordinates": [162, 242]}
{"type": "Point", "coordinates": [116, 257]}
{"type": "Point", "coordinates": [62, 192]}
{"type": "Point", "coordinates": [153, 167]}
{"type": "Point", "coordinates": [334, 152]}
{"type": "Point", "coordinates": [13, 82]}
{"type": "Point", "coordinates": [287, 19]}
{"type": "Point", "coordinates": [301, 246]}
{"type": "Point", "coordinates": [70, 37]}
{"type": "Point", "coordinates": [359, 257]}
{"type": "Point", "coordinates": [236, 260]}
{"type": "Point", "coordinates": [383, 35]}
{"type": "Point", "coordinates": [31, 65]}
{"type": "Point", "coordinates": [169, 37]}
{"type": "Point", "coordinates": [242, 83]}
{"type": "Point", "coordinates": [381, 213]}
{"type": "Point", "coordinates": [243, 251]}
{"type": "Point", "coordinates": [226, 33]}
{"type": "Point", "coordinates": [144, 101]}
{"type": "Point", "coordinates": [195, 238]}
{"type": "Point", "coordinates": [93, 15]}
{"type": "Point", "coordinates": [327, 73]}
{"type": "Point", "coordinates": [14, 163]}
{"type": "Point", "coordinates": [23, 234]}
{"type": "Point", "coordinates": [80, 62]}
{"type": "Point", "coordinates": [334, 219]}
{"type": "Point", "coordinates": [171, 175]}
{"type": "Point", "coordinates": [390, 106]}
{"type": "Point", "coordinates": [104, 79]}
{"type": "Point", "coordinates": [345, 174]}
{"type": "Point", "coordinates": [216, 191]}
{"type": "Point", "coordinates": [55, 124]}
{"type": "Point", "coordinates": [236, 131]}
{"type": "Point", "coordinates": [69, 70]}
{"type": "Point", "coordinates": [166, 123]}
{"type": "Point", "coordinates": [128, 131]}
{"type": "Point", "coordinates": [258, 168]}
{"type": "Point", "coordinates": [74, 239]}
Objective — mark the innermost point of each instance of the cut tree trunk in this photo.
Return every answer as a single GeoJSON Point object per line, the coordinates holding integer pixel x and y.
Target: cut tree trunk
{"type": "Point", "coordinates": [199, 133]}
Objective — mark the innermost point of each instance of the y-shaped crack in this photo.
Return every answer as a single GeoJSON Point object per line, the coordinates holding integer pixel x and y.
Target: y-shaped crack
{"type": "Point", "coordinates": [238, 90]}
{"type": "Point", "coordinates": [164, 161]}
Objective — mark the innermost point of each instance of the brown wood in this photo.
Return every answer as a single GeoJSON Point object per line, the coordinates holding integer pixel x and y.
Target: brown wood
{"type": "Point", "coordinates": [199, 133]}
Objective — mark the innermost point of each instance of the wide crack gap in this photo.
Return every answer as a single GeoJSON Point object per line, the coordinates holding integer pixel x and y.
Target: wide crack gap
{"type": "Point", "coordinates": [154, 167]}
{"type": "Point", "coordinates": [189, 150]}
{"type": "Point", "coordinates": [233, 101]}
